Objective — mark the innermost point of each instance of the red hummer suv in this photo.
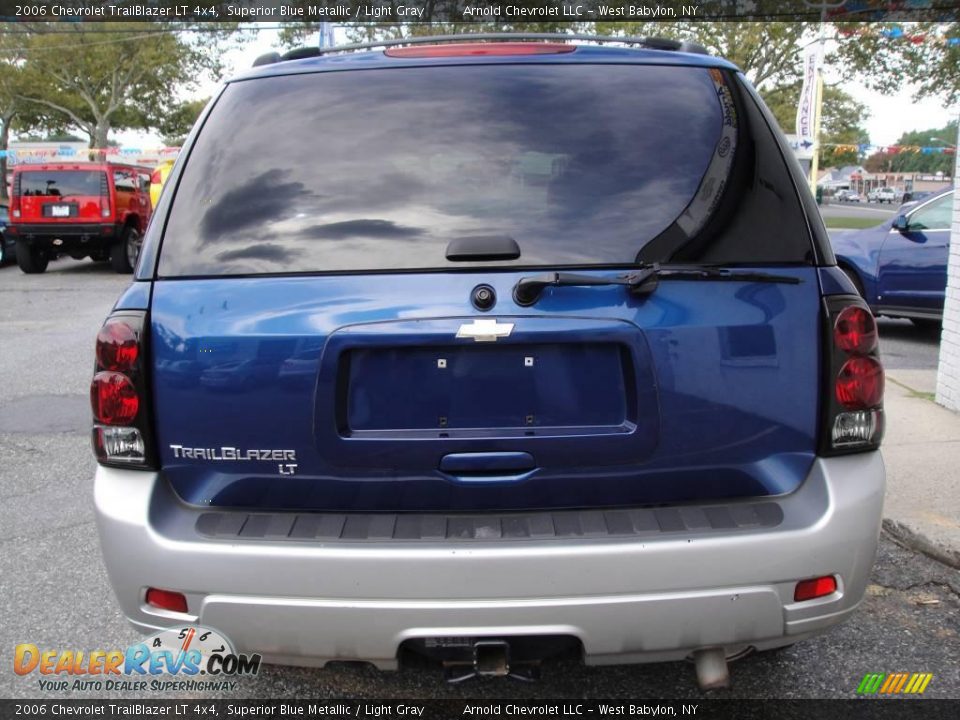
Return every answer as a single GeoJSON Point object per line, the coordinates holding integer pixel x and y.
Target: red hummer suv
{"type": "Point", "coordinates": [96, 210]}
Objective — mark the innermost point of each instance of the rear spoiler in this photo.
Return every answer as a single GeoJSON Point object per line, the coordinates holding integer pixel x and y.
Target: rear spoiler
{"type": "Point", "coordinates": [651, 43]}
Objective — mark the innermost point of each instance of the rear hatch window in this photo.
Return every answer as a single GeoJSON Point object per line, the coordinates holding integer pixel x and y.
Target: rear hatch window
{"type": "Point", "coordinates": [60, 183]}
{"type": "Point", "coordinates": [582, 165]}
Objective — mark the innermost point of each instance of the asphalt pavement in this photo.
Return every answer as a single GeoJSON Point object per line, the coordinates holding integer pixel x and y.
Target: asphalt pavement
{"type": "Point", "coordinates": [54, 591]}
{"type": "Point", "coordinates": [880, 211]}
{"type": "Point", "coordinates": [904, 346]}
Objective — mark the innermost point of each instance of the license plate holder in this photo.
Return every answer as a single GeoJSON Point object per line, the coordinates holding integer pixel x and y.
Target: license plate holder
{"type": "Point", "coordinates": [59, 211]}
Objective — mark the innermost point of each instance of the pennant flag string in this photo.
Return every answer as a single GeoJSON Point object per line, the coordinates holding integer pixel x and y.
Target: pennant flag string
{"type": "Point", "coordinates": [33, 154]}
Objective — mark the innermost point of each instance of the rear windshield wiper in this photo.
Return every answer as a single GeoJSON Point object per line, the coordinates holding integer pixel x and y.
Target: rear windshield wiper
{"type": "Point", "coordinates": [640, 283]}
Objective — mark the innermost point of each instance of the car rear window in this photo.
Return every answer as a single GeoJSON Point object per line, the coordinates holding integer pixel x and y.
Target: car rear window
{"type": "Point", "coordinates": [60, 183]}
{"type": "Point", "coordinates": [581, 165]}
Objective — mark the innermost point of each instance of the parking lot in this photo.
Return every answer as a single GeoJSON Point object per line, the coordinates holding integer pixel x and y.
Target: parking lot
{"type": "Point", "coordinates": [871, 210]}
{"type": "Point", "coordinates": [54, 591]}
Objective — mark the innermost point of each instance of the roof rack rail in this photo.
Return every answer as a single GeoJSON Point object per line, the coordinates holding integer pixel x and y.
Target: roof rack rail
{"type": "Point", "coordinates": [653, 43]}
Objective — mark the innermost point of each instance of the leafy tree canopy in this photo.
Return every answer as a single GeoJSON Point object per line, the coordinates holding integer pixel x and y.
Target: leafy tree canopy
{"type": "Point", "coordinates": [841, 124]}
{"type": "Point", "coordinates": [885, 57]}
{"type": "Point", "coordinates": [124, 75]}
{"type": "Point", "coordinates": [51, 137]}
{"type": "Point", "coordinates": [913, 161]}
{"type": "Point", "coordinates": [177, 123]}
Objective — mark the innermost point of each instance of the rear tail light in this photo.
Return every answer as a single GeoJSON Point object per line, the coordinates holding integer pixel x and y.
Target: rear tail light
{"type": "Point", "coordinates": [118, 444]}
{"type": "Point", "coordinates": [859, 383]}
{"type": "Point", "coordinates": [119, 394]}
{"type": "Point", "coordinates": [114, 399]}
{"type": "Point", "coordinates": [167, 600]}
{"type": "Point", "coordinates": [855, 330]}
{"type": "Point", "coordinates": [104, 196]}
{"type": "Point", "coordinates": [117, 346]}
{"type": "Point", "coordinates": [816, 588]}
{"type": "Point", "coordinates": [155, 177]}
{"type": "Point", "coordinates": [15, 196]}
{"type": "Point", "coordinates": [853, 377]}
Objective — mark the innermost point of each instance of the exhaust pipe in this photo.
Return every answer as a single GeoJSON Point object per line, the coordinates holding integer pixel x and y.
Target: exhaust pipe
{"type": "Point", "coordinates": [712, 670]}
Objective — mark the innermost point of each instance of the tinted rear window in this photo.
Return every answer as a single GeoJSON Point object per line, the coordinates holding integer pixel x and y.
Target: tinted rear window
{"type": "Point", "coordinates": [60, 183]}
{"type": "Point", "coordinates": [381, 169]}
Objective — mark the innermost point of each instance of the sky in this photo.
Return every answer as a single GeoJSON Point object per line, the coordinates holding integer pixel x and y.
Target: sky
{"type": "Point", "coordinates": [890, 115]}
{"type": "Point", "coordinates": [893, 115]}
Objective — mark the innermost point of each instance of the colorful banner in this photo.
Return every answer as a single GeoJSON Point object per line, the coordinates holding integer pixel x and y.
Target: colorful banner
{"type": "Point", "coordinates": [898, 32]}
{"type": "Point", "coordinates": [81, 154]}
{"type": "Point", "coordinates": [892, 149]}
{"type": "Point", "coordinates": [35, 154]}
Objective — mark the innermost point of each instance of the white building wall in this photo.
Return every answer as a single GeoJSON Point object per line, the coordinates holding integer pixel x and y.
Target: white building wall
{"type": "Point", "coordinates": [948, 375]}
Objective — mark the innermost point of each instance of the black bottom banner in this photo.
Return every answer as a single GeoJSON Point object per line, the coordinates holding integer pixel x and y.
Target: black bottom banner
{"type": "Point", "coordinates": [454, 709]}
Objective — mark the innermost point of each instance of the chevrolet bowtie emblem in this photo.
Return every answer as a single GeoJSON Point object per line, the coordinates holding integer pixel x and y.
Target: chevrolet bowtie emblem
{"type": "Point", "coordinates": [485, 330]}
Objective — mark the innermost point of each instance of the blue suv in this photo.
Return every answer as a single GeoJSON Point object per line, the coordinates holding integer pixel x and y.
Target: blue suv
{"type": "Point", "coordinates": [487, 350]}
{"type": "Point", "coordinates": [900, 266]}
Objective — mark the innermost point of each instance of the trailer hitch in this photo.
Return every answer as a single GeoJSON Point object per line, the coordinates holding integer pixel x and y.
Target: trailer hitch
{"type": "Point", "coordinates": [491, 658]}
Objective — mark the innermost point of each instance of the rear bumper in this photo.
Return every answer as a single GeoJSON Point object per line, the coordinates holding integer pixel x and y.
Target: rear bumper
{"type": "Point", "coordinates": [69, 234]}
{"type": "Point", "coordinates": [630, 599]}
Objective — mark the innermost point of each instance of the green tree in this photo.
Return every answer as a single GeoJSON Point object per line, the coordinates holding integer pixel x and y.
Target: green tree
{"type": "Point", "coordinates": [178, 122]}
{"type": "Point", "coordinates": [10, 110]}
{"type": "Point", "coordinates": [841, 124]}
{"type": "Point", "coordinates": [769, 53]}
{"type": "Point", "coordinates": [887, 56]}
{"type": "Point", "coordinates": [11, 107]}
{"type": "Point", "coordinates": [16, 115]}
{"type": "Point", "coordinates": [123, 75]}
{"type": "Point", "coordinates": [909, 160]}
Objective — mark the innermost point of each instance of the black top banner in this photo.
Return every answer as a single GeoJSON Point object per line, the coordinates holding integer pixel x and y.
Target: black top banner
{"type": "Point", "coordinates": [477, 11]}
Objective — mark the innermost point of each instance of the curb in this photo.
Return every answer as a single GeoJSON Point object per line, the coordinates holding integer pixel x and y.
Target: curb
{"type": "Point", "coordinates": [911, 539]}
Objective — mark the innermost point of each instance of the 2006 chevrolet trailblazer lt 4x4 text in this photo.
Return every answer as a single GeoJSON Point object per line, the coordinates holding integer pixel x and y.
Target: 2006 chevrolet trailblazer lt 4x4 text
{"type": "Point", "coordinates": [489, 350]}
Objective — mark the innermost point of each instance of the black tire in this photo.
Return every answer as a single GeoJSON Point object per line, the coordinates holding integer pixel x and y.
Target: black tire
{"type": "Point", "coordinates": [123, 254]}
{"type": "Point", "coordinates": [32, 260]}
{"type": "Point", "coordinates": [927, 324]}
{"type": "Point", "coordinates": [3, 252]}
{"type": "Point", "coordinates": [854, 279]}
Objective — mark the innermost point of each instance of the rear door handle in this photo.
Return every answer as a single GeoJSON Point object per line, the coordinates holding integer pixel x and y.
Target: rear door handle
{"type": "Point", "coordinates": [488, 466]}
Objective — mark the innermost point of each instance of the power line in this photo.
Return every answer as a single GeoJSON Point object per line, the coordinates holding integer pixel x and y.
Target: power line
{"type": "Point", "coordinates": [142, 35]}
{"type": "Point", "coordinates": [83, 45]}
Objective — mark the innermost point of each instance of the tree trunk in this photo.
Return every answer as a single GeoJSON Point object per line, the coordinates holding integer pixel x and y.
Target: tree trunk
{"type": "Point", "coordinates": [98, 139]}
{"type": "Point", "coordinates": [4, 143]}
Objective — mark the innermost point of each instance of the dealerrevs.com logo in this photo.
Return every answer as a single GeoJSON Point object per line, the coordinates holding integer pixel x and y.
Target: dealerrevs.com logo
{"type": "Point", "coordinates": [187, 658]}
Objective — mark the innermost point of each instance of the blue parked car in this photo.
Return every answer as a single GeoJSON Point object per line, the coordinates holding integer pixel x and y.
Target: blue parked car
{"type": "Point", "coordinates": [488, 350]}
{"type": "Point", "coordinates": [900, 267]}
